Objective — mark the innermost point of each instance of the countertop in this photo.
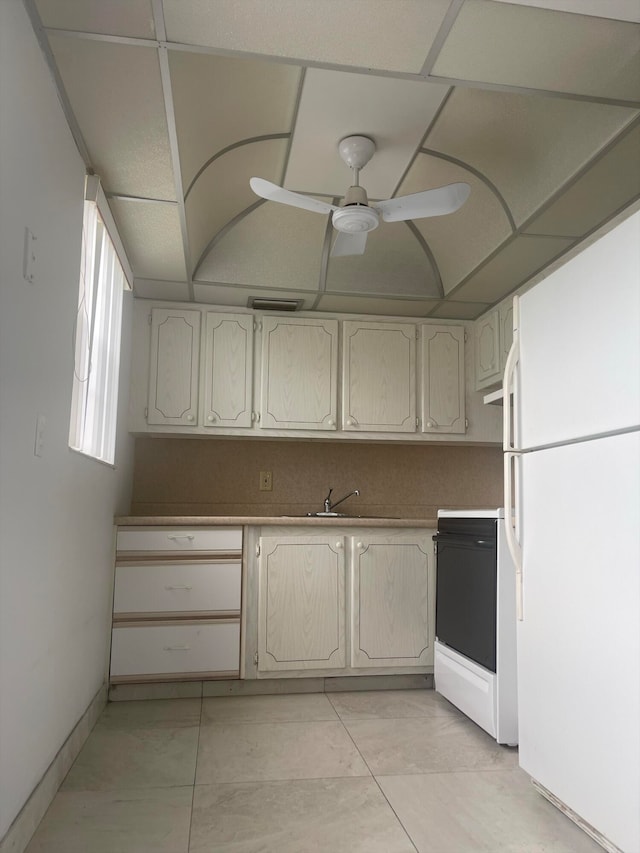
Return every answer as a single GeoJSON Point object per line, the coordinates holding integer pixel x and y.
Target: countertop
{"type": "Point", "coordinates": [265, 521]}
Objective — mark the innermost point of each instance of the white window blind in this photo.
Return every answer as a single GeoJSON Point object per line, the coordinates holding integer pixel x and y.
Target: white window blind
{"type": "Point", "coordinates": [94, 404]}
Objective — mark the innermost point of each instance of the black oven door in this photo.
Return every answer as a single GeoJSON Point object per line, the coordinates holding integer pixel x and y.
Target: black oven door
{"type": "Point", "coordinates": [466, 593]}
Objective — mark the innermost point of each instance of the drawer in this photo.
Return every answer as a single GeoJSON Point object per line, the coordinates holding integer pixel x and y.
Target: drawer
{"type": "Point", "coordinates": [209, 648]}
{"type": "Point", "coordinates": [225, 539]}
{"type": "Point", "coordinates": [203, 587]}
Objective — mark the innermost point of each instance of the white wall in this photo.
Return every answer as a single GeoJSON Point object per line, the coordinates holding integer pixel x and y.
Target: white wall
{"type": "Point", "coordinates": [56, 512]}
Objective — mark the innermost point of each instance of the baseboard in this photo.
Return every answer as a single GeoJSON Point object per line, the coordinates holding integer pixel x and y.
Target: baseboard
{"type": "Point", "coordinates": [26, 822]}
{"type": "Point", "coordinates": [262, 686]}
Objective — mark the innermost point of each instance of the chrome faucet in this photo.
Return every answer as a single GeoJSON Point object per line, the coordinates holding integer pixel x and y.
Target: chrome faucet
{"type": "Point", "coordinates": [329, 507]}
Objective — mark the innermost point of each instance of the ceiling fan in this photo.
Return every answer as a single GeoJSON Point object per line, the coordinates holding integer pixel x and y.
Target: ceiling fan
{"type": "Point", "coordinates": [356, 217]}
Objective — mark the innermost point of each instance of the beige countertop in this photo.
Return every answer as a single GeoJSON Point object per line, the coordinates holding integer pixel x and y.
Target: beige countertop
{"type": "Point", "coordinates": [264, 521]}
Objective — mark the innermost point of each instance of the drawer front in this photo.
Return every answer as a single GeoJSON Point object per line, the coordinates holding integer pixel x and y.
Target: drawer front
{"type": "Point", "coordinates": [179, 648]}
{"type": "Point", "coordinates": [176, 588]}
{"type": "Point", "coordinates": [182, 539]}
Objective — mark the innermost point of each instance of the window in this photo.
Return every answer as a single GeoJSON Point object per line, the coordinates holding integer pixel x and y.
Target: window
{"type": "Point", "coordinates": [94, 402]}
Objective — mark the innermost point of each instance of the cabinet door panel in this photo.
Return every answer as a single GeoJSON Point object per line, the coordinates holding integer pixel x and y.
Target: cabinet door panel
{"type": "Point", "coordinates": [443, 379]}
{"type": "Point", "coordinates": [302, 604]}
{"type": "Point", "coordinates": [487, 349]}
{"type": "Point", "coordinates": [228, 368]}
{"type": "Point", "coordinates": [173, 369]}
{"type": "Point", "coordinates": [299, 373]}
{"type": "Point", "coordinates": [393, 603]}
{"type": "Point", "coordinates": [379, 377]}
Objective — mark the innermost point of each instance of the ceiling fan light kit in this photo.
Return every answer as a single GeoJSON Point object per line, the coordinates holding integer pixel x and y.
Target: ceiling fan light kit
{"type": "Point", "coordinates": [356, 217]}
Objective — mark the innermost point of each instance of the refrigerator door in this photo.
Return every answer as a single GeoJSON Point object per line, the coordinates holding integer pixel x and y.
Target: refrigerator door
{"type": "Point", "coordinates": [579, 642]}
{"type": "Point", "coordinates": [579, 332]}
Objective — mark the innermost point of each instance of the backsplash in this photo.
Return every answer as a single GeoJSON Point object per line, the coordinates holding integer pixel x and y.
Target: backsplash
{"type": "Point", "coordinates": [221, 477]}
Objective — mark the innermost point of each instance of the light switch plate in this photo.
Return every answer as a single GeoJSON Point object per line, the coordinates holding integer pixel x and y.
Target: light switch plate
{"type": "Point", "coordinates": [266, 481]}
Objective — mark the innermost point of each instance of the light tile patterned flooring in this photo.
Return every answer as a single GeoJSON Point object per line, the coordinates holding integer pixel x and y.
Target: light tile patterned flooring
{"type": "Point", "coordinates": [382, 772]}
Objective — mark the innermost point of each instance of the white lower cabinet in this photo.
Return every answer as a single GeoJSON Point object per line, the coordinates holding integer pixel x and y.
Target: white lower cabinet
{"type": "Point", "coordinates": [393, 605]}
{"type": "Point", "coordinates": [175, 650]}
{"type": "Point", "coordinates": [177, 603]}
{"type": "Point", "coordinates": [320, 596]}
{"type": "Point", "coordinates": [301, 609]}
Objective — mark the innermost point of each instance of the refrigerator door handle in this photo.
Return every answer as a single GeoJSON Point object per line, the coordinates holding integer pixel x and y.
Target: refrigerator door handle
{"type": "Point", "coordinates": [512, 520]}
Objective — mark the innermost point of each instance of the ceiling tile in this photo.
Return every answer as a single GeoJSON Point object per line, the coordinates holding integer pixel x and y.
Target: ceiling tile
{"type": "Point", "coordinates": [607, 187]}
{"type": "Point", "coordinates": [132, 18]}
{"type": "Point", "coordinates": [241, 296]}
{"type": "Point", "coordinates": [372, 34]}
{"type": "Point", "coordinates": [222, 191]}
{"type": "Point", "coordinates": [461, 240]}
{"type": "Point", "coordinates": [152, 238]}
{"type": "Point", "coordinates": [116, 96]}
{"type": "Point", "coordinates": [221, 101]}
{"type": "Point", "coordinates": [273, 246]}
{"type": "Point", "coordinates": [527, 146]}
{"type": "Point", "coordinates": [511, 267]}
{"type": "Point", "coordinates": [620, 10]}
{"type": "Point", "coordinates": [394, 264]}
{"type": "Point", "coordinates": [450, 310]}
{"type": "Point", "coordinates": [334, 104]}
{"type": "Point", "coordinates": [375, 305]}
{"type": "Point", "coordinates": [176, 291]}
{"type": "Point", "coordinates": [541, 49]}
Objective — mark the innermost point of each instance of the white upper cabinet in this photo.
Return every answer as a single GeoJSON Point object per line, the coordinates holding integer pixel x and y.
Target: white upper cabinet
{"type": "Point", "coordinates": [379, 377]}
{"type": "Point", "coordinates": [443, 388]}
{"type": "Point", "coordinates": [487, 349]}
{"type": "Point", "coordinates": [227, 370]}
{"type": "Point", "coordinates": [299, 374]}
{"type": "Point", "coordinates": [506, 332]}
{"type": "Point", "coordinates": [173, 368]}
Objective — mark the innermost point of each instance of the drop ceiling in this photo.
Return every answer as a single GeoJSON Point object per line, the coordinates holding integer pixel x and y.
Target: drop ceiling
{"type": "Point", "coordinates": [176, 104]}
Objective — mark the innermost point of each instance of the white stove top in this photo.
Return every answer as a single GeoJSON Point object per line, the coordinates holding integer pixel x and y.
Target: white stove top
{"type": "Point", "coordinates": [471, 513]}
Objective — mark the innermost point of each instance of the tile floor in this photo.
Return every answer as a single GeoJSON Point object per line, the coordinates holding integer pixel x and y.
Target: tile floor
{"type": "Point", "coordinates": [388, 771]}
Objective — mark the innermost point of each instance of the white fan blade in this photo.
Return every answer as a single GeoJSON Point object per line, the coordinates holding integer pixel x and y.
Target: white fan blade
{"type": "Point", "coordinates": [428, 203]}
{"type": "Point", "coordinates": [272, 192]}
{"type": "Point", "coordinates": [349, 244]}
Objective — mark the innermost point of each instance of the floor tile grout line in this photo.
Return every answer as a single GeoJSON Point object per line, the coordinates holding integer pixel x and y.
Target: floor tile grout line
{"type": "Point", "coordinates": [366, 763]}
{"type": "Point", "coordinates": [195, 775]}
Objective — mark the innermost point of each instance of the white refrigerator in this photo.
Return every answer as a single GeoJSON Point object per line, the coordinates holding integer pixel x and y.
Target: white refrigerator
{"type": "Point", "coordinates": [572, 475]}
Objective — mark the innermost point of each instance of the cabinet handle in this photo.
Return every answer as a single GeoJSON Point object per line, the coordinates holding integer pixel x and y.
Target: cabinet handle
{"type": "Point", "coordinates": [179, 587]}
{"type": "Point", "coordinates": [339, 545]}
{"type": "Point", "coordinates": [359, 545]}
{"type": "Point", "coordinates": [431, 424]}
{"type": "Point", "coordinates": [175, 537]}
{"type": "Point", "coordinates": [176, 648]}
{"type": "Point", "coordinates": [351, 422]}
{"type": "Point", "coordinates": [211, 418]}
{"type": "Point", "coordinates": [190, 418]}
{"type": "Point", "coordinates": [331, 422]}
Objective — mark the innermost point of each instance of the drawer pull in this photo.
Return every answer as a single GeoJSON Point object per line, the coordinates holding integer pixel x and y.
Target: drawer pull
{"type": "Point", "coordinates": [176, 648]}
{"type": "Point", "coordinates": [178, 587]}
{"type": "Point", "coordinates": [190, 537]}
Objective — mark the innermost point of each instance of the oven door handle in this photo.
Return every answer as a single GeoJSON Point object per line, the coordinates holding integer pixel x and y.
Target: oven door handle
{"type": "Point", "coordinates": [465, 541]}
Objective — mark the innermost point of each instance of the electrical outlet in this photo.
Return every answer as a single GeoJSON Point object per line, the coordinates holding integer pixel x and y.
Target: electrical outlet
{"type": "Point", "coordinates": [266, 481]}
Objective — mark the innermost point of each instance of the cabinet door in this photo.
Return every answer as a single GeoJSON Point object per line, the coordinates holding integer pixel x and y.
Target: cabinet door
{"type": "Point", "coordinates": [301, 603]}
{"type": "Point", "coordinates": [173, 369]}
{"type": "Point", "coordinates": [299, 373]}
{"type": "Point", "coordinates": [506, 332]}
{"type": "Point", "coordinates": [443, 379]}
{"type": "Point", "coordinates": [228, 370]}
{"type": "Point", "coordinates": [393, 602]}
{"type": "Point", "coordinates": [487, 349]}
{"type": "Point", "coordinates": [379, 377]}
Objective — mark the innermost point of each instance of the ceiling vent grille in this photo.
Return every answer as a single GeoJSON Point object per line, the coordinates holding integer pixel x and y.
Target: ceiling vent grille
{"type": "Point", "coordinates": [261, 304]}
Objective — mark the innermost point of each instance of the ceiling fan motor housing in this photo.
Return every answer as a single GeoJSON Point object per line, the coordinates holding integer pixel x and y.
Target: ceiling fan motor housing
{"type": "Point", "coordinates": [355, 216]}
